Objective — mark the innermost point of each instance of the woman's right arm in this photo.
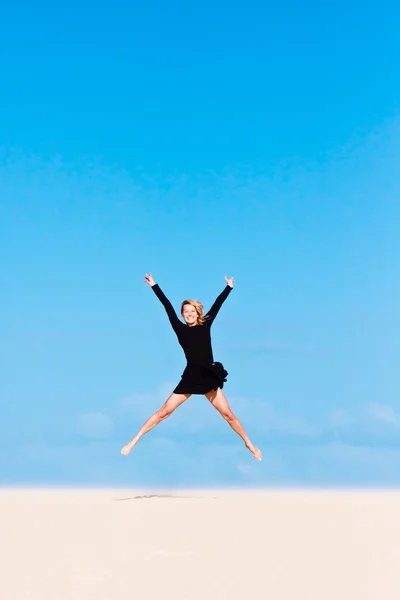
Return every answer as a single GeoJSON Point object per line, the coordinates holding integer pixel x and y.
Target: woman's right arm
{"type": "Point", "coordinates": [172, 316]}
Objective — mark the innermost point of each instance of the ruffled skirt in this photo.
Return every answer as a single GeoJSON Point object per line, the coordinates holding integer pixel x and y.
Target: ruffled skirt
{"type": "Point", "coordinates": [202, 379]}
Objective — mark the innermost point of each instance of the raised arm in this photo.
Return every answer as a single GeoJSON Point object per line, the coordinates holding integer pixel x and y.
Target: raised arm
{"type": "Point", "coordinates": [212, 313]}
{"type": "Point", "coordinates": [172, 316]}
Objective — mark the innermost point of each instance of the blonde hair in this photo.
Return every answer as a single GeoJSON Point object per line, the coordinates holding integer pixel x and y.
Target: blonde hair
{"type": "Point", "coordinates": [201, 319]}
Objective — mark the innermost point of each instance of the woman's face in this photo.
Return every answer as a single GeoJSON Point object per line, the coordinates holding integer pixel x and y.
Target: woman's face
{"type": "Point", "coordinates": [189, 314]}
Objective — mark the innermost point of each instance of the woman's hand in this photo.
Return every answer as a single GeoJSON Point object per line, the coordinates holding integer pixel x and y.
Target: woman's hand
{"type": "Point", "coordinates": [230, 281]}
{"type": "Point", "coordinates": [149, 279]}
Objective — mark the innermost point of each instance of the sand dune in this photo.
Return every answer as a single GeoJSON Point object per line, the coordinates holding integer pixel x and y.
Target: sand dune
{"type": "Point", "coordinates": [205, 545]}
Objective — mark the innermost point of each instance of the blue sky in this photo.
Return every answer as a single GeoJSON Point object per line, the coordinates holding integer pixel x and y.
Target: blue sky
{"type": "Point", "coordinates": [260, 141]}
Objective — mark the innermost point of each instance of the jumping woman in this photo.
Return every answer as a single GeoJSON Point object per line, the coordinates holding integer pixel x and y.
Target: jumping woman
{"type": "Point", "coordinates": [202, 375]}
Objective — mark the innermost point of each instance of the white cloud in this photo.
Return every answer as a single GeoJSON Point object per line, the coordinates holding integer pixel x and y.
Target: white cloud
{"type": "Point", "coordinates": [359, 462]}
{"type": "Point", "coordinates": [382, 412]}
{"type": "Point", "coordinates": [370, 417]}
{"type": "Point", "coordinates": [254, 472]}
{"type": "Point", "coordinates": [142, 403]}
{"type": "Point", "coordinates": [94, 425]}
{"type": "Point", "coordinates": [340, 417]}
{"type": "Point", "coordinates": [263, 417]}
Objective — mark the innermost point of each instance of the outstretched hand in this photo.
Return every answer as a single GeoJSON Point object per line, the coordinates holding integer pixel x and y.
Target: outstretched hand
{"type": "Point", "coordinates": [230, 281]}
{"type": "Point", "coordinates": [149, 279]}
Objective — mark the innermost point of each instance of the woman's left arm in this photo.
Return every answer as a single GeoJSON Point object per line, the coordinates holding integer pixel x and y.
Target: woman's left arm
{"type": "Point", "coordinates": [212, 313]}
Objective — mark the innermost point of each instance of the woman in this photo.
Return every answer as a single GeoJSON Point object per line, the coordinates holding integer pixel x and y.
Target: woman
{"type": "Point", "coordinates": [202, 375]}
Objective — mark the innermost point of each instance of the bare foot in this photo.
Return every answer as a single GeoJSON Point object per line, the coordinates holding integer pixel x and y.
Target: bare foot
{"type": "Point", "coordinates": [126, 449]}
{"type": "Point", "coordinates": [255, 451]}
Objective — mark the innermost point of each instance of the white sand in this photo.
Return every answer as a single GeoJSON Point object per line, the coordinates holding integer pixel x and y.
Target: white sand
{"type": "Point", "coordinates": [270, 545]}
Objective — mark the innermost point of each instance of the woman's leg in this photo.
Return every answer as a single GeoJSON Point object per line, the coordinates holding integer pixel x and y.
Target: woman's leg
{"type": "Point", "coordinates": [218, 400]}
{"type": "Point", "coordinates": [170, 405]}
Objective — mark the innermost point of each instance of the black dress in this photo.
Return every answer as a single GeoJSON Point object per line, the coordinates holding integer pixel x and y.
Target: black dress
{"type": "Point", "coordinates": [201, 374]}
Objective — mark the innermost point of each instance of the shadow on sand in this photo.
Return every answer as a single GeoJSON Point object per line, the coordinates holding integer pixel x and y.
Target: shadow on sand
{"type": "Point", "coordinates": [150, 496]}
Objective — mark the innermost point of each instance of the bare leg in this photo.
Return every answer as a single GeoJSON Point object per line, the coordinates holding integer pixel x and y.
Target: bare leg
{"type": "Point", "coordinates": [218, 400]}
{"type": "Point", "coordinates": [168, 408]}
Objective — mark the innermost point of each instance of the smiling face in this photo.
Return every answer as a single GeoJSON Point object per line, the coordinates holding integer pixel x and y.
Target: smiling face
{"type": "Point", "coordinates": [189, 314]}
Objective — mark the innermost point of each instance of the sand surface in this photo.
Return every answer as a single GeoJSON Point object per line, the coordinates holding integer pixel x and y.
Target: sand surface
{"type": "Point", "coordinates": [269, 545]}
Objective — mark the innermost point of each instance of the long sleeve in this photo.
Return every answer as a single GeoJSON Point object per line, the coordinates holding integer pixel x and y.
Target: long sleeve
{"type": "Point", "coordinates": [212, 313]}
{"type": "Point", "coordinates": [173, 318]}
